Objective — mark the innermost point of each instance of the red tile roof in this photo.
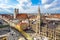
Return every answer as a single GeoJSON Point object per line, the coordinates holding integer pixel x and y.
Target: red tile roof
{"type": "Point", "coordinates": [22, 16]}
{"type": "Point", "coordinates": [7, 16]}
{"type": "Point", "coordinates": [54, 16]}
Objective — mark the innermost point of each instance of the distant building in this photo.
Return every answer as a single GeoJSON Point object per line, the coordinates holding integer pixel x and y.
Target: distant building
{"type": "Point", "coordinates": [19, 16]}
{"type": "Point", "coordinates": [32, 18]}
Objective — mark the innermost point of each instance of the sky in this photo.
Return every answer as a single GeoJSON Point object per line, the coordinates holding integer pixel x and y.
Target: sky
{"type": "Point", "coordinates": [30, 6]}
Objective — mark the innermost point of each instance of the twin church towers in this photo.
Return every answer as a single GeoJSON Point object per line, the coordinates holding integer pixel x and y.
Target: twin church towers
{"type": "Point", "coordinates": [16, 11]}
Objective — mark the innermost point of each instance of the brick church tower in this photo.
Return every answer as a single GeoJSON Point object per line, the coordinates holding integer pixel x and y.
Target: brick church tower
{"type": "Point", "coordinates": [16, 11]}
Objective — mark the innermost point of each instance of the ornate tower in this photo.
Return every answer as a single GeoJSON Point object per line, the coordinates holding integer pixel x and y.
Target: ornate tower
{"type": "Point", "coordinates": [39, 18]}
{"type": "Point", "coordinates": [16, 11]}
{"type": "Point", "coordinates": [38, 21]}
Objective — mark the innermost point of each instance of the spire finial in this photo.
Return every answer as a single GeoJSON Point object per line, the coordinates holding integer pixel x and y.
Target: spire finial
{"type": "Point", "coordinates": [38, 9]}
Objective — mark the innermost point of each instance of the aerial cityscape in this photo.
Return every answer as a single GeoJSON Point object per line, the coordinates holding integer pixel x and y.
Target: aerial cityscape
{"type": "Point", "coordinates": [29, 20]}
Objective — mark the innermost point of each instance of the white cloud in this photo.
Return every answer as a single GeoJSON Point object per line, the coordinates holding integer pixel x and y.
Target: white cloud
{"type": "Point", "coordinates": [45, 7]}
{"type": "Point", "coordinates": [7, 10]}
{"type": "Point", "coordinates": [4, 6]}
{"type": "Point", "coordinates": [56, 8]}
{"type": "Point", "coordinates": [3, 1]}
{"type": "Point", "coordinates": [32, 9]}
{"type": "Point", "coordinates": [21, 3]}
{"type": "Point", "coordinates": [28, 5]}
{"type": "Point", "coordinates": [0, 9]}
{"type": "Point", "coordinates": [44, 1]}
{"type": "Point", "coordinates": [50, 8]}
